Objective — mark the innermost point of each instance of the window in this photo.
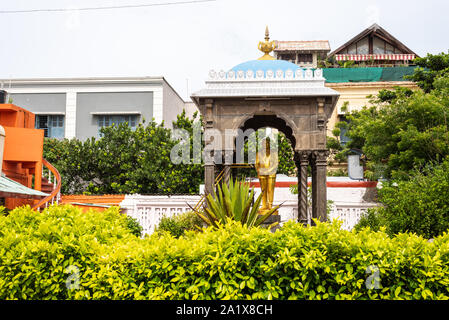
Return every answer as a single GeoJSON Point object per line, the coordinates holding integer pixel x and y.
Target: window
{"type": "Point", "coordinates": [389, 49]}
{"type": "Point", "coordinates": [378, 46]}
{"type": "Point", "coordinates": [363, 46]}
{"type": "Point", "coordinates": [288, 57]}
{"type": "Point", "coordinates": [305, 58]}
{"type": "Point", "coordinates": [109, 120]}
{"type": "Point", "coordinates": [53, 125]}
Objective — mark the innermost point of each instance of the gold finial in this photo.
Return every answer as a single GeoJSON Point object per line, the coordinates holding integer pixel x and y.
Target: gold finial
{"type": "Point", "coordinates": [267, 46]}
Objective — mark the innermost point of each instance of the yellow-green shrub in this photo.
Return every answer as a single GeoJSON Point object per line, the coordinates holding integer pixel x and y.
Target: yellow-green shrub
{"type": "Point", "coordinates": [232, 262]}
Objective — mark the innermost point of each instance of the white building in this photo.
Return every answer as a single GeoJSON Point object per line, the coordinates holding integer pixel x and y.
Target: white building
{"type": "Point", "coordinates": [79, 107]}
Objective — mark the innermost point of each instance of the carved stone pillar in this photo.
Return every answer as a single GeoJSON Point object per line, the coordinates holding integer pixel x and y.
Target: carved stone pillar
{"type": "Point", "coordinates": [227, 173]}
{"type": "Point", "coordinates": [228, 160]}
{"type": "Point", "coordinates": [314, 187]}
{"type": "Point", "coordinates": [209, 154]}
{"type": "Point", "coordinates": [302, 162]}
{"type": "Point", "coordinates": [209, 178]}
{"type": "Point", "coordinates": [319, 189]}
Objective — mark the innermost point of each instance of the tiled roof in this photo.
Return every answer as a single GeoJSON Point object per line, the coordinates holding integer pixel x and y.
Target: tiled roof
{"type": "Point", "coordinates": [302, 45]}
{"type": "Point", "coordinates": [14, 188]}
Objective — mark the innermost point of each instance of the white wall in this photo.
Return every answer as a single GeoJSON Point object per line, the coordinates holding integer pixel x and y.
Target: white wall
{"type": "Point", "coordinates": [348, 205]}
{"type": "Point", "coordinates": [173, 105]}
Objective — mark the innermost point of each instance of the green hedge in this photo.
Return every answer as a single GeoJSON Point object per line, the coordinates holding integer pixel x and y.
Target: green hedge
{"type": "Point", "coordinates": [296, 262]}
{"type": "Point", "coordinates": [419, 204]}
{"type": "Point", "coordinates": [179, 224]}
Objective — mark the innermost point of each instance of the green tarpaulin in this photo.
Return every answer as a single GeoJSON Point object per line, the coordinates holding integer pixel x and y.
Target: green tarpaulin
{"type": "Point", "coordinates": [338, 75]}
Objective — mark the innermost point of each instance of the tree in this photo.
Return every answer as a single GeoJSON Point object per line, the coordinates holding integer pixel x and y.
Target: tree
{"type": "Point", "coordinates": [75, 161]}
{"type": "Point", "coordinates": [403, 130]}
{"type": "Point", "coordinates": [125, 161]}
{"type": "Point", "coordinates": [419, 204]}
{"type": "Point", "coordinates": [429, 69]}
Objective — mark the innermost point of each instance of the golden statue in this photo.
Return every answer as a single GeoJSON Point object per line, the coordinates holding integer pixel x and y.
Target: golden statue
{"type": "Point", "coordinates": [267, 46]}
{"type": "Point", "coordinates": [266, 166]}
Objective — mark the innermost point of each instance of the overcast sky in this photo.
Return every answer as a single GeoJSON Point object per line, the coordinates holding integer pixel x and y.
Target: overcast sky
{"type": "Point", "coordinates": [185, 41]}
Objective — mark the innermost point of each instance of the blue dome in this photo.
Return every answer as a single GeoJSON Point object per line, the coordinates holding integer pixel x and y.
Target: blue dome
{"type": "Point", "coordinates": [265, 65]}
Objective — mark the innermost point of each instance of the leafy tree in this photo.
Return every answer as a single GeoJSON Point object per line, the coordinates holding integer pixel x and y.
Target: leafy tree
{"type": "Point", "coordinates": [125, 161]}
{"type": "Point", "coordinates": [401, 131]}
{"type": "Point", "coordinates": [75, 161]}
{"type": "Point", "coordinates": [430, 68]}
{"type": "Point", "coordinates": [419, 204]}
{"type": "Point", "coordinates": [286, 163]}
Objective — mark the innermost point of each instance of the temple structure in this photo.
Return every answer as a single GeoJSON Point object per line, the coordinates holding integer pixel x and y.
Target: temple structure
{"type": "Point", "coordinates": [269, 93]}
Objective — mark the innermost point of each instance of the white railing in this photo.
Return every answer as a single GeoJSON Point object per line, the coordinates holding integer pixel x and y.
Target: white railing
{"type": "Point", "coordinates": [149, 210]}
{"type": "Point", "coordinates": [53, 177]}
{"type": "Point", "coordinates": [349, 213]}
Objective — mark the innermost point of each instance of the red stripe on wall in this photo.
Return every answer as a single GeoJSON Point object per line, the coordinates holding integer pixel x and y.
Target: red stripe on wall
{"type": "Point", "coordinates": [329, 184]}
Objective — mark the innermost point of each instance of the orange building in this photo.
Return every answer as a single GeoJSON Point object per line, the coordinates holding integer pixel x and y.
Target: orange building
{"type": "Point", "coordinates": [23, 154]}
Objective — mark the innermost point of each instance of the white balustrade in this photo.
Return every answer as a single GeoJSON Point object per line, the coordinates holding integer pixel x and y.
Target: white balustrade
{"type": "Point", "coordinates": [149, 210]}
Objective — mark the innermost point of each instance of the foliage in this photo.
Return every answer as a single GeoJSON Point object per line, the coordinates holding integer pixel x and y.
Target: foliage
{"type": "Point", "coordinates": [429, 69]}
{"type": "Point", "coordinates": [401, 131]}
{"type": "Point", "coordinates": [179, 224]}
{"type": "Point", "coordinates": [294, 190]}
{"type": "Point", "coordinates": [231, 262]}
{"type": "Point", "coordinates": [286, 164]}
{"type": "Point", "coordinates": [346, 64]}
{"type": "Point", "coordinates": [124, 160]}
{"type": "Point", "coordinates": [337, 173]}
{"type": "Point", "coordinates": [36, 249]}
{"type": "Point", "coordinates": [75, 160]}
{"type": "Point", "coordinates": [371, 219]}
{"type": "Point", "coordinates": [391, 95]}
{"type": "Point", "coordinates": [134, 226]}
{"type": "Point", "coordinates": [419, 204]}
{"type": "Point", "coordinates": [233, 201]}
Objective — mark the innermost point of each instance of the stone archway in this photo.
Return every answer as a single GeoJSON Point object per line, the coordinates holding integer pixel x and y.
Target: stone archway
{"type": "Point", "coordinates": [277, 94]}
{"type": "Point", "coordinates": [274, 121]}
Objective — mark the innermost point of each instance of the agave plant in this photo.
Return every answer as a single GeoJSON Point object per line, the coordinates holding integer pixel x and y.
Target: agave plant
{"type": "Point", "coordinates": [233, 201]}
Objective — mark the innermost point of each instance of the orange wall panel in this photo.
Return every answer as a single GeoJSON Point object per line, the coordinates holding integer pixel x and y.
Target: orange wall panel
{"type": "Point", "coordinates": [24, 145]}
{"type": "Point", "coordinates": [14, 116]}
{"type": "Point", "coordinates": [107, 199]}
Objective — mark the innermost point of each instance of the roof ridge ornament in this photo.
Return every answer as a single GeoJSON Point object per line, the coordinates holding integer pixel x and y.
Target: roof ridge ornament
{"type": "Point", "coordinates": [267, 46]}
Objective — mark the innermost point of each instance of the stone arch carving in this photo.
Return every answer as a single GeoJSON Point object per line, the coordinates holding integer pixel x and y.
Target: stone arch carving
{"type": "Point", "coordinates": [274, 121]}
